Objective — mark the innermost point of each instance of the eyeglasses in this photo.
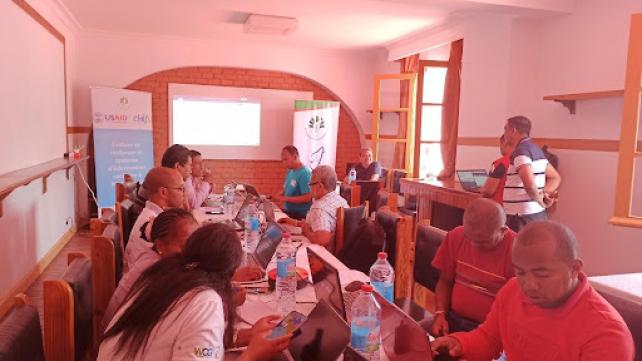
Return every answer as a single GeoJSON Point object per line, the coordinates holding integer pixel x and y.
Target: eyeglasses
{"type": "Point", "coordinates": [313, 183]}
{"type": "Point", "coordinates": [175, 188]}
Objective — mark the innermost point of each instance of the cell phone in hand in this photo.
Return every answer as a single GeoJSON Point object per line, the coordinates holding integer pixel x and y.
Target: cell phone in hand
{"type": "Point", "coordinates": [289, 325]}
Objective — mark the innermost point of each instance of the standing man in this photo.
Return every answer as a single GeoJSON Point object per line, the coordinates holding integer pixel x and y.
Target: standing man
{"type": "Point", "coordinates": [367, 170]}
{"type": "Point", "coordinates": [531, 181]}
{"type": "Point", "coordinates": [474, 262]}
{"type": "Point", "coordinates": [296, 195]}
{"type": "Point", "coordinates": [549, 311]}
{"type": "Point", "coordinates": [200, 184]}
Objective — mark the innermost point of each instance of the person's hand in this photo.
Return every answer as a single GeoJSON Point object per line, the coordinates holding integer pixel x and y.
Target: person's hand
{"type": "Point", "coordinates": [439, 325]}
{"type": "Point", "coordinates": [239, 296]}
{"type": "Point", "coordinates": [448, 344]}
{"type": "Point", "coordinates": [208, 176]}
{"type": "Point", "coordinates": [288, 220]}
{"type": "Point", "coordinates": [247, 273]}
{"type": "Point", "coordinates": [265, 324]}
{"type": "Point", "coordinates": [262, 348]}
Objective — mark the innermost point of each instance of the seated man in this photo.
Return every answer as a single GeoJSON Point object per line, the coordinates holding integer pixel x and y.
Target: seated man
{"type": "Point", "coordinates": [321, 221]}
{"type": "Point", "coordinates": [200, 184]}
{"type": "Point", "coordinates": [169, 232]}
{"type": "Point", "coordinates": [549, 311]}
{"type": "Point", "coordinates": [296, 196]}
{"type": "Point", "coordinates": [475, 262]}
{"type": "Point", "coordinates": [164, 188]}
{"type": "Point", "coordinates": [366, 169]}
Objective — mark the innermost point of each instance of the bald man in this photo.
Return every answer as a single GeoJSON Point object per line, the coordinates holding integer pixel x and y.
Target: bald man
{"type": "Point", "coordinates": [164, 189]}
{"type": "Point", "coordinates": [474, 261]}
{"type": "Point", "coordinates": [549, 311]}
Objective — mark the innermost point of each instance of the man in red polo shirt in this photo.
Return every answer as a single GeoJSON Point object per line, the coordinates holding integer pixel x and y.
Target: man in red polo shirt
{"type": "Point", "coordinates": [549, 311]}
{"type": "Point", "coordinates": [494, 186]}
{"type": "Point", "coordinates": [475, 262]}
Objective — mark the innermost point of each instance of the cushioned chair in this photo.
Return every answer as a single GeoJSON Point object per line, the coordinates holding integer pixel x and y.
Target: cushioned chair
{"type": "Point", "coordinates": [368, 192]}
{"type": "Point", "coordinates": [20, 337]}
{"type": "Point", "coordinates": [351, 193]}
{"type": "Point", "coordinates": [127, 216]}
{"type": "Point", "coordinates": [348, 220]}
{"type": "Point", "coordinates": [631, 312]}
{"type": "Point", "coordinates": [396, 227]}
{"type": "Point", "coordinates": [107, 264]}
{"type": "Point", "coordinates": [417, 278]}
{"type": "Point", "coordinates": [69, 311]}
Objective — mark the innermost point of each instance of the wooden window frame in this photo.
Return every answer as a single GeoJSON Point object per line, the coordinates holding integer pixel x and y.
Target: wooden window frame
{"type": "Point", "coordinates": [423, 64]}
{"type": "Point", "coordinates": [629, 130]}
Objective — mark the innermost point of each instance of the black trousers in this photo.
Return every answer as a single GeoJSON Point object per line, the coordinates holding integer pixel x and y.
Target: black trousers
{"type": "Point", "coordinates": [517, 222]}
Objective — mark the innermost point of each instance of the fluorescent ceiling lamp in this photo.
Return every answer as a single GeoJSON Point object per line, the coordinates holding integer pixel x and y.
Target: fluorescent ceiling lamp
{"type": "Point", "coordinates": [270, 24]}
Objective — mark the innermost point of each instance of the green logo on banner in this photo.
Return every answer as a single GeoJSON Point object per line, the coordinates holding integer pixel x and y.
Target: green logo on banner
{"type": "Point", "coordinates": [316, 128]}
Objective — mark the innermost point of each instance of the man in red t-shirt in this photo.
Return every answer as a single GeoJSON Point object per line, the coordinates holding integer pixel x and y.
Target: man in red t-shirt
{"type": "Point", "coordinates": [549, 311]}
{"type": "Point", "coordinates": [475, 262]}
{"type": "Point", "coordinates": [494, 186]}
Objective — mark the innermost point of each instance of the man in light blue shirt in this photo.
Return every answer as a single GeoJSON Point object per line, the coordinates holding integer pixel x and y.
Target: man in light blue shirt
{"type": "Point", "coordinates": [296, 195]}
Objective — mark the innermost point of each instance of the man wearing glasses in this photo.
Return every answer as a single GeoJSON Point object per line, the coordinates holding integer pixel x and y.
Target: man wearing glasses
{"type": "Point", "coordinates": [164, 187]}
{"type": "Point", "coordinates": [474, 261]}
{"type": "Point", "coordinates": [321, 221]}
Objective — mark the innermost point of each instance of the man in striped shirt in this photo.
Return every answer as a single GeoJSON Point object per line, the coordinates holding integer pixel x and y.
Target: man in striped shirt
{"type": "Point", "coordinates": [531, 181]}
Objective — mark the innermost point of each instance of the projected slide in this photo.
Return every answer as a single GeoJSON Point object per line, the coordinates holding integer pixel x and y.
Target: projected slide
{"type": "Point", "coordinates": [216, 122]}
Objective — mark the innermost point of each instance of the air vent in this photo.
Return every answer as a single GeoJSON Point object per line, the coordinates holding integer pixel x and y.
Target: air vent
{"type": "Point", "coordinates": [269, 24]}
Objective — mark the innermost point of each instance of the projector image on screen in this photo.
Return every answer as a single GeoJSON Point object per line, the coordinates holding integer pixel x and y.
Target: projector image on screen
{"type": "Point", "coordinates": [230, 122]}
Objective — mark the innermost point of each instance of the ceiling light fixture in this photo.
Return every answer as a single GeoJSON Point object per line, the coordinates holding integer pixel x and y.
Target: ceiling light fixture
{"type": "Point", "coordinates": [270, 24]}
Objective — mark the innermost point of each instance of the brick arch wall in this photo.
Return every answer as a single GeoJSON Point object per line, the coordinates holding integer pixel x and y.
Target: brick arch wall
{"type": "Point", "coordinates": [267, 176]}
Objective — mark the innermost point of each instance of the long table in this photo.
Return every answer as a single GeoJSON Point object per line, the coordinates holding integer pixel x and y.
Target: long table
{"type": "Point", "coordinates": [442, 202]}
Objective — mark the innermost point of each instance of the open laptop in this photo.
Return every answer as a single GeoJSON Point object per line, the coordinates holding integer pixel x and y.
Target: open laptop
{"type": "Point", "coordinates": [250, 189]}
{"type": "Point", "coordinates": [472, 180]}
{"type": "Point", "coordinates": [267, 245]}
{"type": "Point", "coordinates": [238, 222]}
{"type": "Point", "coordinates": [326, 283]}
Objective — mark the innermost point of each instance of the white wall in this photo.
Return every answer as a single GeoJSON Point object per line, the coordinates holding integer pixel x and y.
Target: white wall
{"type": "Point", "coordinates": [32, 222]}
{"type": "Point", "coordinates": [509, 64]}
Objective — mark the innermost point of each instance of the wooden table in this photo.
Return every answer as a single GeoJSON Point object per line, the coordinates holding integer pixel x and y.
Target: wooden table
{"type": "Point", "coordinates": [442, 202]}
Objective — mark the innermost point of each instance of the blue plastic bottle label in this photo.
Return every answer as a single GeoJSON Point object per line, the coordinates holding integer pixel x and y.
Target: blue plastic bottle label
{"type": "Point", "coordinates": [284, 267]}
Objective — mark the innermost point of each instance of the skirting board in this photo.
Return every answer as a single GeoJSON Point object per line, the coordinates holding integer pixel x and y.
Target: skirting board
{"type": "Point", "coordinates": [6, 300]}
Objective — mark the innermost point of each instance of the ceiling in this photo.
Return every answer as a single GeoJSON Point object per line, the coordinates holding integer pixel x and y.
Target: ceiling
{"type": "Point", "coordinates": [325, 24]}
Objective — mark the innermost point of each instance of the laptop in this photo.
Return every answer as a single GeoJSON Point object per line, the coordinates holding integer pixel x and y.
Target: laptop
{"type": "Point", "coordinates": [326, 283]}
{"type": "Point", "coordinates": [238, 223]}
{"type": "Point", "coordinates": [472, 180]}
{"type": "Point", "coordinates": [250, 189]}
{"type": "Point", "coordinates": [324, 336]}
{"type": "Point", "coordinates": [268, 208]}
{"type": "Point", "coordinates": [267, 245]}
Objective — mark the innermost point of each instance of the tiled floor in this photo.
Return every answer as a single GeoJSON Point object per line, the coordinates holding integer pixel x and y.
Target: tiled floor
{"type": "Point", "coordinates": [81, 242]}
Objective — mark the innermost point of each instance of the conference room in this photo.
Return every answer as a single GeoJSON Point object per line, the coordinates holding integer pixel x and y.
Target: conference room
{"type": "Point", "coordinates": [376, 179]}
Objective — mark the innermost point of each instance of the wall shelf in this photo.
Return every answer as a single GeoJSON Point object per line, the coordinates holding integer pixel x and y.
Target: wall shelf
{"type": "Point", "coordinates": [569, 100]}
{"type": "Point", "coordinates": [22, 177]}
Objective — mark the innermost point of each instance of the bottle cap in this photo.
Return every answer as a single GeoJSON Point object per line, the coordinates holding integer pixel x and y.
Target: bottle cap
{"type": "Point", "coordinates": [286, 234]}
{"type": "Point", "coordinates": [366, 287]}
{"type": "Point", "coordinates": [382, 255]}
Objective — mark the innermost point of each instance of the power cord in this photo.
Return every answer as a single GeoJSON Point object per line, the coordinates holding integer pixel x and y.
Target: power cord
{"type": "Point", "coordinates": [93, 195]}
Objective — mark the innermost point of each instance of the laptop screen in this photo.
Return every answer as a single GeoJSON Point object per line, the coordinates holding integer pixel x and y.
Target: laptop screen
{"type": "Point", "coordinates": [327, 284]}
{"type": "Point", "coordinates": [268, 244]}
{"type": "Point", "coordinates": [476, 177]}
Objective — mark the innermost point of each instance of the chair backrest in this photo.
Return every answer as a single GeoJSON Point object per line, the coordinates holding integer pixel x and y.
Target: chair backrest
{"type": "Point", "coordinates": [348, 220]}
{"type": "Point", "coordinates": [20, 337]}
{"type": "Point", "coordinates": [103, 259]}
{"type": "Point", "coordinates": [361, 252]}
{"type": "Point", "coordinates": [398, 230]}
{"type": "Point", "coordinates": [396, 175]}
{"type": "Point", "coordinates": [369, 190]}
{"type": "Point", "coordinates": [631, 312]}
{"type": "Point", "coordinates": [69, 311]}
{"type": "Point", "coordinates": [351, 193]}
{"type": "Point", "coordinates": [427, 242]}
{"type": "Point", "coordinates": [384, 177]}
{"type": "Point", "coordinates": [121, 193]}
{"type": "Point", "coordinates": [126, 218]}
{"type": "Point", "coordinates": [113, 233]}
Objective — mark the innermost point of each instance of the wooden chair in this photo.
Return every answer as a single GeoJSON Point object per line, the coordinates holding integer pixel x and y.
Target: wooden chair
{"type": "Point", "coordinates": [20, 336]}
{"type": "Point", "coordinates": [68, 312]}
{"type": "Point", "coordinates": [351, 193]}
{"type": "Point", "coordinates": [347, 222]}
{"type": "Point", "coordinates": [126, 218]}
{"type": "Point", "coordinates": [398, 229]}
{"type": "Point", "coordinates": [104, 259]}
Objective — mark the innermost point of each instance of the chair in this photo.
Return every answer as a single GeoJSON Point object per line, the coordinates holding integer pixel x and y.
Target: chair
{"type": "Point", "coordinates": [631, 312]}
{"type": "Point", "coordinates": [68, 312]}
{"type": "Point", "coordinates": [126, 218]}
{"type": "Point", "coordinates": [417, 278]}
{"type": "Point", "coordinates": [347, 223]}
{"type": "Point", "coordinates": [107, 264]}
{"type": "Point", "coordinates": [351, 193]}
{"type": "Point", "coordinates": [396, 227]}
{"type": "Point", "coordinates": [20, 337]}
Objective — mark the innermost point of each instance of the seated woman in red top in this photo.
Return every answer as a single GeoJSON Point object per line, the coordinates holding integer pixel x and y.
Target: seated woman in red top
{"type": "Point", "coordinates": [549, 311]}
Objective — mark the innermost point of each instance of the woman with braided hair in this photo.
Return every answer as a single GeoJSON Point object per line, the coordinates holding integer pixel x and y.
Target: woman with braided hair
{"type": "Point", "coordinates": [182, 307]}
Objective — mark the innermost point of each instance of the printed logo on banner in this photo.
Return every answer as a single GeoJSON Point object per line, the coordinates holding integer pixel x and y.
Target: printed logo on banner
{"type": "Point", "coordinates": [316, 128]}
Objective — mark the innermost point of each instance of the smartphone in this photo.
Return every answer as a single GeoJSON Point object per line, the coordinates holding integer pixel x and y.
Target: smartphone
{"type": "Point", "coordinates": [289, 324]}
{"type": "Point", "coordinates": [215, 212]}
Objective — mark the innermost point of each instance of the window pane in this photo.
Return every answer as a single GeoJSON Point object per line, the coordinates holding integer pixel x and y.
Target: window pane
{"type": "Point", "coordinates": [430, 162]}
{"type": "Point", "coordinates": [433, 87]}
{"type": "Point", "coordinates": [431, 123]}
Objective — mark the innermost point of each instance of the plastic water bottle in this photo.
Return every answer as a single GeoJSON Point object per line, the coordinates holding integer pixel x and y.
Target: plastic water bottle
{"type": "Point", "coordinates": [252, 226]}
{"type": "Point", "coordinates": [382, 277]}
{"type": "Point", "coordinates": [365, 327]}
{"type": "Point", "coordinates": [228, 197]}
{"type": "Point", "coordinates": [285, 276]}
{"type": "Point", "coordinates": [352, 175]}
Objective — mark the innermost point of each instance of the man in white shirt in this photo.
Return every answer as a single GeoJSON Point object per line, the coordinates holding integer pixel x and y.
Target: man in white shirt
{"type": "Point", "coordinates": [164, 187]}
{"type": "Point", "coordinates": [321, 221]}
{"type": "Point", "coordinates": [200, 184]}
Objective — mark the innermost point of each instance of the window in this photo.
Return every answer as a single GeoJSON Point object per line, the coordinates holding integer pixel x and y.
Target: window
{"type": "Point", "coordinates": [628, 191]}
{"type": "Point", "coordinates": [432, 77]}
